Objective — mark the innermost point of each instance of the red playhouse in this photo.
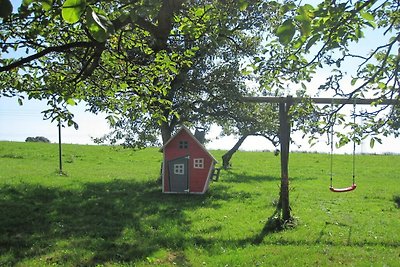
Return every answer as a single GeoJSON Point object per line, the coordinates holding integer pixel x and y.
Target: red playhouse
{"type": "Point", "coordinates": [187, 167]}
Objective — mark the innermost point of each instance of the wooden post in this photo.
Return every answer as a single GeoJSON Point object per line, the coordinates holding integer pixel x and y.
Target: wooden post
{"type": "Point", "coordinates": [284, 132]}
{"type": "Point", "coordinates": [59, 147]}
{"type": "Point", "coordinates": [284, 136]}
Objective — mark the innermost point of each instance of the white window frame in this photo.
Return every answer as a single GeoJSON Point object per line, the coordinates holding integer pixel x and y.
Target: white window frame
{"type": "Point", "coordinates": [179, 169]}
{"type": "Point", "coordinates": [198, 163]}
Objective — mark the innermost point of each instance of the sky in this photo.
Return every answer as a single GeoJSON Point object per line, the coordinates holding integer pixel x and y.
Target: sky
{"type": "Point", "coordinates": [19, 122]}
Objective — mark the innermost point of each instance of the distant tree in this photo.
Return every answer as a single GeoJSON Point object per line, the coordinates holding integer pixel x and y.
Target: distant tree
{"type": "Point", "coordinates": [40, 139]}
{"type": "Point", "coordinates": [250, 120]}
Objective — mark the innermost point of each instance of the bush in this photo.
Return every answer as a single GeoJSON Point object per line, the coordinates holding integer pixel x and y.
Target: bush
{"type": "Point", "coordinates": [37, 139]}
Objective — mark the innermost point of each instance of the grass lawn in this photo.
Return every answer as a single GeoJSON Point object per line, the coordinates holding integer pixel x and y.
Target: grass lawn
{"type": "Point", "coordinates": [109, 210]}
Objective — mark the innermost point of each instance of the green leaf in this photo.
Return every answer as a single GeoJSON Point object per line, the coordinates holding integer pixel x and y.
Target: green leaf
{"type": "Point", "coordinates": [312, 41]}
{"type": "Point", "coordinates": [72, 10]}
{"type": "Point", "coordinates": [6, 8]}
{"type": "Point", "coordinates": [72, 123]}
{"type": "Point", "coordinates": [299, 42]}
{"type": "Point", "coordinates": [372, 24]}
{"type": "Point", "coordinates": [27, 2]}
{"type": "Point", "coordinates": [199, 12]}
{"type": "Point", "coordinates": [381, 85]}
{"type": "Point", "coordinates": [243, 5]}
{"type": "Point", "coordinates": [305, 28]}
{"type": "Point", "coordinates": [304, 17]}
{"type": "Point", "coordinates": [111, 120]}
{"type": "Point", "coordinates": [173, 69]}
{"type": "Point", "coordinates": [47, 4]}
{"type": "Point", "coordinates": [309, 8]}
{"type": "Point", "coordinates": [372, 143]}
{"type": "Point", "coordinates": [71, 102]}
{"type": "Point", "coordinates": [288, 7]}
{"type": "Point", "coordinates": [358, 32]}
{"type": "Point", "coordinates": [286, 31]}
{"type": "Point", "coordinates": [366, 15]}
{"type": "Point", "coordinates": [98, 25]}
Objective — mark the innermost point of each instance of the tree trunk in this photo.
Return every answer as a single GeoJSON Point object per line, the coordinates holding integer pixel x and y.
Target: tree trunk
{"type": "Point", "coordinates": [166, 132]}
{"type": "Point", "coordinates": [228, 155]}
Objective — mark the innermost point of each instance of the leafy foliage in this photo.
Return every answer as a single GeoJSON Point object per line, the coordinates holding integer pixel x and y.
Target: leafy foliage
{"type": "Point", "coordinates": [72, 10]}
{"type": "Point", "coordinates": [137, 60]}
{"type": "Point", "coordinates": [154, 63]}
{"type": "Point", "coordinates": [323, 37]}
{"type": "Point", "coordinates": [208, 88]}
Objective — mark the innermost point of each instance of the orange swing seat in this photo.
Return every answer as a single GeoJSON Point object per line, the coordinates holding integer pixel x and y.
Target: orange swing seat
{"type": "Point", "coordinates": [345, 189]}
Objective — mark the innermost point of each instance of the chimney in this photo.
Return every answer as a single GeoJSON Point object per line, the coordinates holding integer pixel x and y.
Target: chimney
{"type": "Point", "coordinates": [200, 134]}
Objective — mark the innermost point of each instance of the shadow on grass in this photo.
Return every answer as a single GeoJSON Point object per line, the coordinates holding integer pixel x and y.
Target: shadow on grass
{"type": "Point", "coordinates": [396, 200]}
{"type": "Point", "coordinates": [273, 224]}
{"type": "Point", "coordinates": [303, 178]}
{"type": "Point", "coordinates": [323, 233]}
{"type": "Point", "coordinates": [229, 176]}
{"type": "Point", "coordinates": [117, 221]}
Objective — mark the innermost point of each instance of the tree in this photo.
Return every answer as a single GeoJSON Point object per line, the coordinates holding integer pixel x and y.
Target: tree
{"type": "Point", "coordinates": [321, 37]}
{"type": "Point", "coordinates": [74, 43]}
{"type": "Point", "coordinates": [250, 120]}
{"type": "Point", "coordinates": [205, 90]}
{"type": "Point", "coordinates": [137, 59]}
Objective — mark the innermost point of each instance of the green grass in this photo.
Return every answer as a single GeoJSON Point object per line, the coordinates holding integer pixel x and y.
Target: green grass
{"type": "Point", "coordinates": [109, 210]}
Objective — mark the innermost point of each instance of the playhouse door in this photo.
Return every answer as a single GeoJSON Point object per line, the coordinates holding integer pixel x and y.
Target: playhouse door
{"type": "Point", "coordinates": [179, 175]}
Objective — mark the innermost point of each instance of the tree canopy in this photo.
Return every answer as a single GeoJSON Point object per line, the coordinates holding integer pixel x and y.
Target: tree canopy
{"type": "Point", "coordinates": [325, 37]}
{"type": "Point", "coordinates": [147, 63]}
{"type": "Point", "coordinates": [167, 62]}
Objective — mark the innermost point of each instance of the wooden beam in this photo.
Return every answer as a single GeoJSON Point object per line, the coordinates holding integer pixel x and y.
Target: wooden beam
{"type": "Point", "coordinates": [323, 100]}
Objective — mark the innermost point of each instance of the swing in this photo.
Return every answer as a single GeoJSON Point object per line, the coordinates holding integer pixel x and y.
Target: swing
{"type": "Point", "coordinates": [353, 186]}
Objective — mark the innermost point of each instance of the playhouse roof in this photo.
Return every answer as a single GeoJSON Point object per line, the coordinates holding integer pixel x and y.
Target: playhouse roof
{"type": "Point", "coordinates": [184, 128]}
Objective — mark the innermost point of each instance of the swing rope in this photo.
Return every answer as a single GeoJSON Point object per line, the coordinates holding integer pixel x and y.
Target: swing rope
{"type": "Point", "coordinates": [353, 186]}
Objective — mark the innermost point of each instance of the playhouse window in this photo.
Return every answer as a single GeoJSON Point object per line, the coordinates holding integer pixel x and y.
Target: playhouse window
{"type": "Point", "coordinates": [198, 163]}
{"type": "Point", "coordinates": [183, 144]}
{"type": "Point", "coordinates": [179, 169]}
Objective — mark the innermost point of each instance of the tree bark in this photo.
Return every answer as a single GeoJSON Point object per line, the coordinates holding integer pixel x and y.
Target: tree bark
{"type": "Point", "coordinates": [166, 132]}
{"type": "Point", "coordinates": [228, 155]}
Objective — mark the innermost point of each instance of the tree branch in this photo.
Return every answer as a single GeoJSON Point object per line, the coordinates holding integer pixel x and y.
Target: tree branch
{"type": "Point", "coordinates": [61, 48]}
